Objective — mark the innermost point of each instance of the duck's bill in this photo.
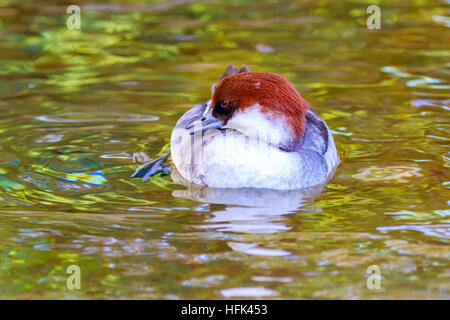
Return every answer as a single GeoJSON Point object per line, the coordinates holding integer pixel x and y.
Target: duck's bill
{"type": "Point", "coordinates": [206, 122]}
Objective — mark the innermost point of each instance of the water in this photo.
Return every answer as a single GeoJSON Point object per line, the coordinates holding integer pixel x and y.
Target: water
{"type": "Point", "coordinates": [80, 110]}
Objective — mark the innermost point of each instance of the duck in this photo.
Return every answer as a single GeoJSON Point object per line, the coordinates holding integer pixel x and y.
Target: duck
{"type": "Point", "coordinates": [256, 131]}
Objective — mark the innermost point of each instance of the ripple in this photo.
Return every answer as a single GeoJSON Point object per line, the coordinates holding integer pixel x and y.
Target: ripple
{"type": "Point", "coordinates": [394, 70]}
{"type": "Point", "coordinates": [419, 81]}
{"type": "Point", "coordinates": [427, 250]}
{"type": "Point", "coordinates": [253, 249]}
{"type": "Point", "coordinates": [442, 19]}
{"type": "Point", "coordinates": [122, 155]}
{"type": "Point", "coordinates": [271, 279]}
{"type": "Point", "coordinates": [95, 177]}
{"type": "Point", "coordinates": [424, 82]}
{"type": "Point", "coordinates": [392, 173]}
{"type": "Point", "coordinates": [431, 103]}
{"type": "Point", "coordinates": [204, 282]}
{"type": "Point", "coordinates": [78, 117]}
{"type": "Point", "coordinates": [248, 292]}
{"type": "Point", "coordinates": [438, 231]}
{"type": "Point", "coordinates": [50, 138]}
{"type": "Point", "coordinates": [264, 48]}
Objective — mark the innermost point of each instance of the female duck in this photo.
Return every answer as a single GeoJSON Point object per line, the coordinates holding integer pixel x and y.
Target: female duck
{"type": "Point", "coordinates": [255, 132]}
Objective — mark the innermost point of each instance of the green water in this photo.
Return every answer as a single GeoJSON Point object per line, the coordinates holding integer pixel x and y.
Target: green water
{"type": "Point", "coordinates": [80, 110]}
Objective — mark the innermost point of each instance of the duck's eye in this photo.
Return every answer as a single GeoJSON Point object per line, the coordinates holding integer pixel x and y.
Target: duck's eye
{"type": "Point", "coordinates": [222, 107]}
{"type": "Point", "coordinates": [224, 111]}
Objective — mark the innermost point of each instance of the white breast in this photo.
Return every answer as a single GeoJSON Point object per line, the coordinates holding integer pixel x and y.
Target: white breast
{"type": "Point", "coordinates": [232, 159]}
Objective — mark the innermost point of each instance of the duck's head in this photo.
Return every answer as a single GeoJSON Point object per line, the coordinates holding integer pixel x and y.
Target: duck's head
{"type": "Point", "coordinates": [260, 105]}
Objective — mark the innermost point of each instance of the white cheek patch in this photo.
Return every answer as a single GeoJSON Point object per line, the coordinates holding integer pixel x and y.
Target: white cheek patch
{"type": "Point", "coordinates": [254, 124]}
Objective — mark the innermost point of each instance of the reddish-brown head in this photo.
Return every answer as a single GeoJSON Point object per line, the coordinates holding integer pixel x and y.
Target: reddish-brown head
{"type": "Point", "coordinates": [276, 96]}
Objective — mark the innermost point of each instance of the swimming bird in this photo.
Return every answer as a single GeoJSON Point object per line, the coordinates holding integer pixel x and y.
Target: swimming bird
{"type": "Point", "coordinates": [256, 131]}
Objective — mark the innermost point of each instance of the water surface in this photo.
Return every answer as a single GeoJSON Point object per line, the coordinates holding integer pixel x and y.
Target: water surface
{"type": "Point", "coordinates": [80, 110]}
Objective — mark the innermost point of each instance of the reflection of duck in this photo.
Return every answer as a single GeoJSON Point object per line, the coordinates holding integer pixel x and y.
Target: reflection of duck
{"type": "Point", "coordinates": [255, 132]}
{"type": "Point", "coordinates": [248, 210]}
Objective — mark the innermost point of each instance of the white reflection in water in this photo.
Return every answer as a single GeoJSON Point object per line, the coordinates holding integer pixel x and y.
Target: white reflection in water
{"type": "Point", "coordinates": [249, 211]}
{"type": "Point", "coordinates": [439, 231]}
{"type": "Point", "coordinates": [253, 249]}
{"type": "Point", "coordinates": [248, 292]}
{"type": "Point", "coordinates": [77, 117]}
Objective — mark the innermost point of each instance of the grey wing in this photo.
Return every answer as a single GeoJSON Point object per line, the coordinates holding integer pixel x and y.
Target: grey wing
{"type": "Point", "coordinates": [316, 134]}
{"type": "Point", "coordinates": [191, 115]}
{"type": "Point", "coordinates": [318, 138]}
